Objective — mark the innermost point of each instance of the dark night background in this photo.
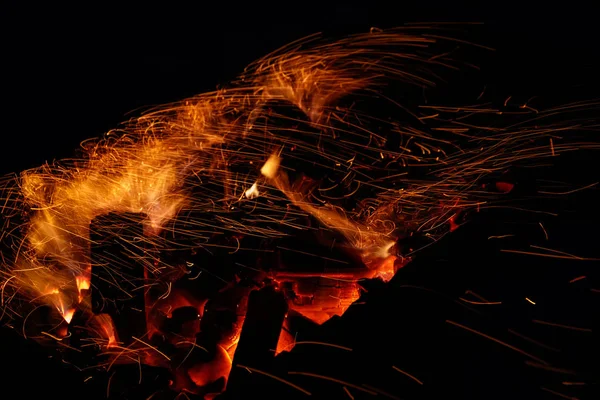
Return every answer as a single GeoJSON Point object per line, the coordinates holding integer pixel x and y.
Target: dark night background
{"type": "Point", "coordinates": [72, 73]}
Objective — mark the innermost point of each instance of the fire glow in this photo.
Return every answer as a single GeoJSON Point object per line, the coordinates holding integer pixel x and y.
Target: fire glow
{"type": "Point", "coordinates": [285, 149]}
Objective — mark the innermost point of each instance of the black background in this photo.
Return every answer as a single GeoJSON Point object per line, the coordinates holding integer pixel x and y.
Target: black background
{"type": "Point", "coordinates": [70, 73]}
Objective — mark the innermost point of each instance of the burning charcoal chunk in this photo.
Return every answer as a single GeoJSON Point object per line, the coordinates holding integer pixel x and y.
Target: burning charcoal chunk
{"type": "Point", "coordinates": [223, 313]}
{"type": "Point", "coordinates": [200, 367]}
{"type": "Point", "coordinates": [317, 296]}
{"type": "Point", "coordinates": [77, 334]}
{"type": "Point", "coordinates": [185, 321]}
{"type": "Point", "coordinates": [211, 376]}
{"type": "Point", "coordinates": [267, 308]}
{"type": "Point", "coordinates": [45, 319]}
{"type": "Point", "coordinates": [290, 290]}
{"type": "Point", "coordinates": [117, 254]}
{"type": "Point", "coordinates": [185, 314]}
{"type": "Point", "coordinates": [217, 321]}
{"type": "Point", "coordinates": [296, 322]}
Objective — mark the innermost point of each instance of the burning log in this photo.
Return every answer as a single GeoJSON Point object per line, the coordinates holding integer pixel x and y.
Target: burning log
{"type": "Point", "coordinates": [267, 308]}
{"type": "Point", "coordinates": [117, 255]}
{"type": "Point", "coordinates": [318, 298]}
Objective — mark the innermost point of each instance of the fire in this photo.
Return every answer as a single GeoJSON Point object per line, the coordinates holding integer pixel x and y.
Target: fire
{"type": "Point", "coordinates": [327, 162]}
{"type": "Point", "coordinates": [253, 192]}
{"type": "Point", "coordinates": [83, 283]}
{"type": "Point", "coordinates": [271, 167]}
{"type": "Point", "coordinates": [68, 315]}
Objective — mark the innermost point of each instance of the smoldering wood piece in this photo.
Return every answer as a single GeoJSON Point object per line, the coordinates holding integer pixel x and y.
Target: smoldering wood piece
{"type": "Point", "coordinates": [267, 308]}
{"type": "Point", "coordinates": [117, 256]}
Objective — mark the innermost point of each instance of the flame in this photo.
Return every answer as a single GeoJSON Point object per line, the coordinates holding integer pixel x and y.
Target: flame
{"type": "Point", "coordinates": [373, 244]}
{"type": "Point", "coordinates": [106, 331]}
{"type": "Point", "coordinates": [253, 192]}
{"type": "Point", "coordinates": [66, 312]}
{"type": "Point", "coordinates": [271, 166]}
{"type": "Point", "coordinates": [68, 315]}
{"type": "Point", "coordinates": [83, 283]}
